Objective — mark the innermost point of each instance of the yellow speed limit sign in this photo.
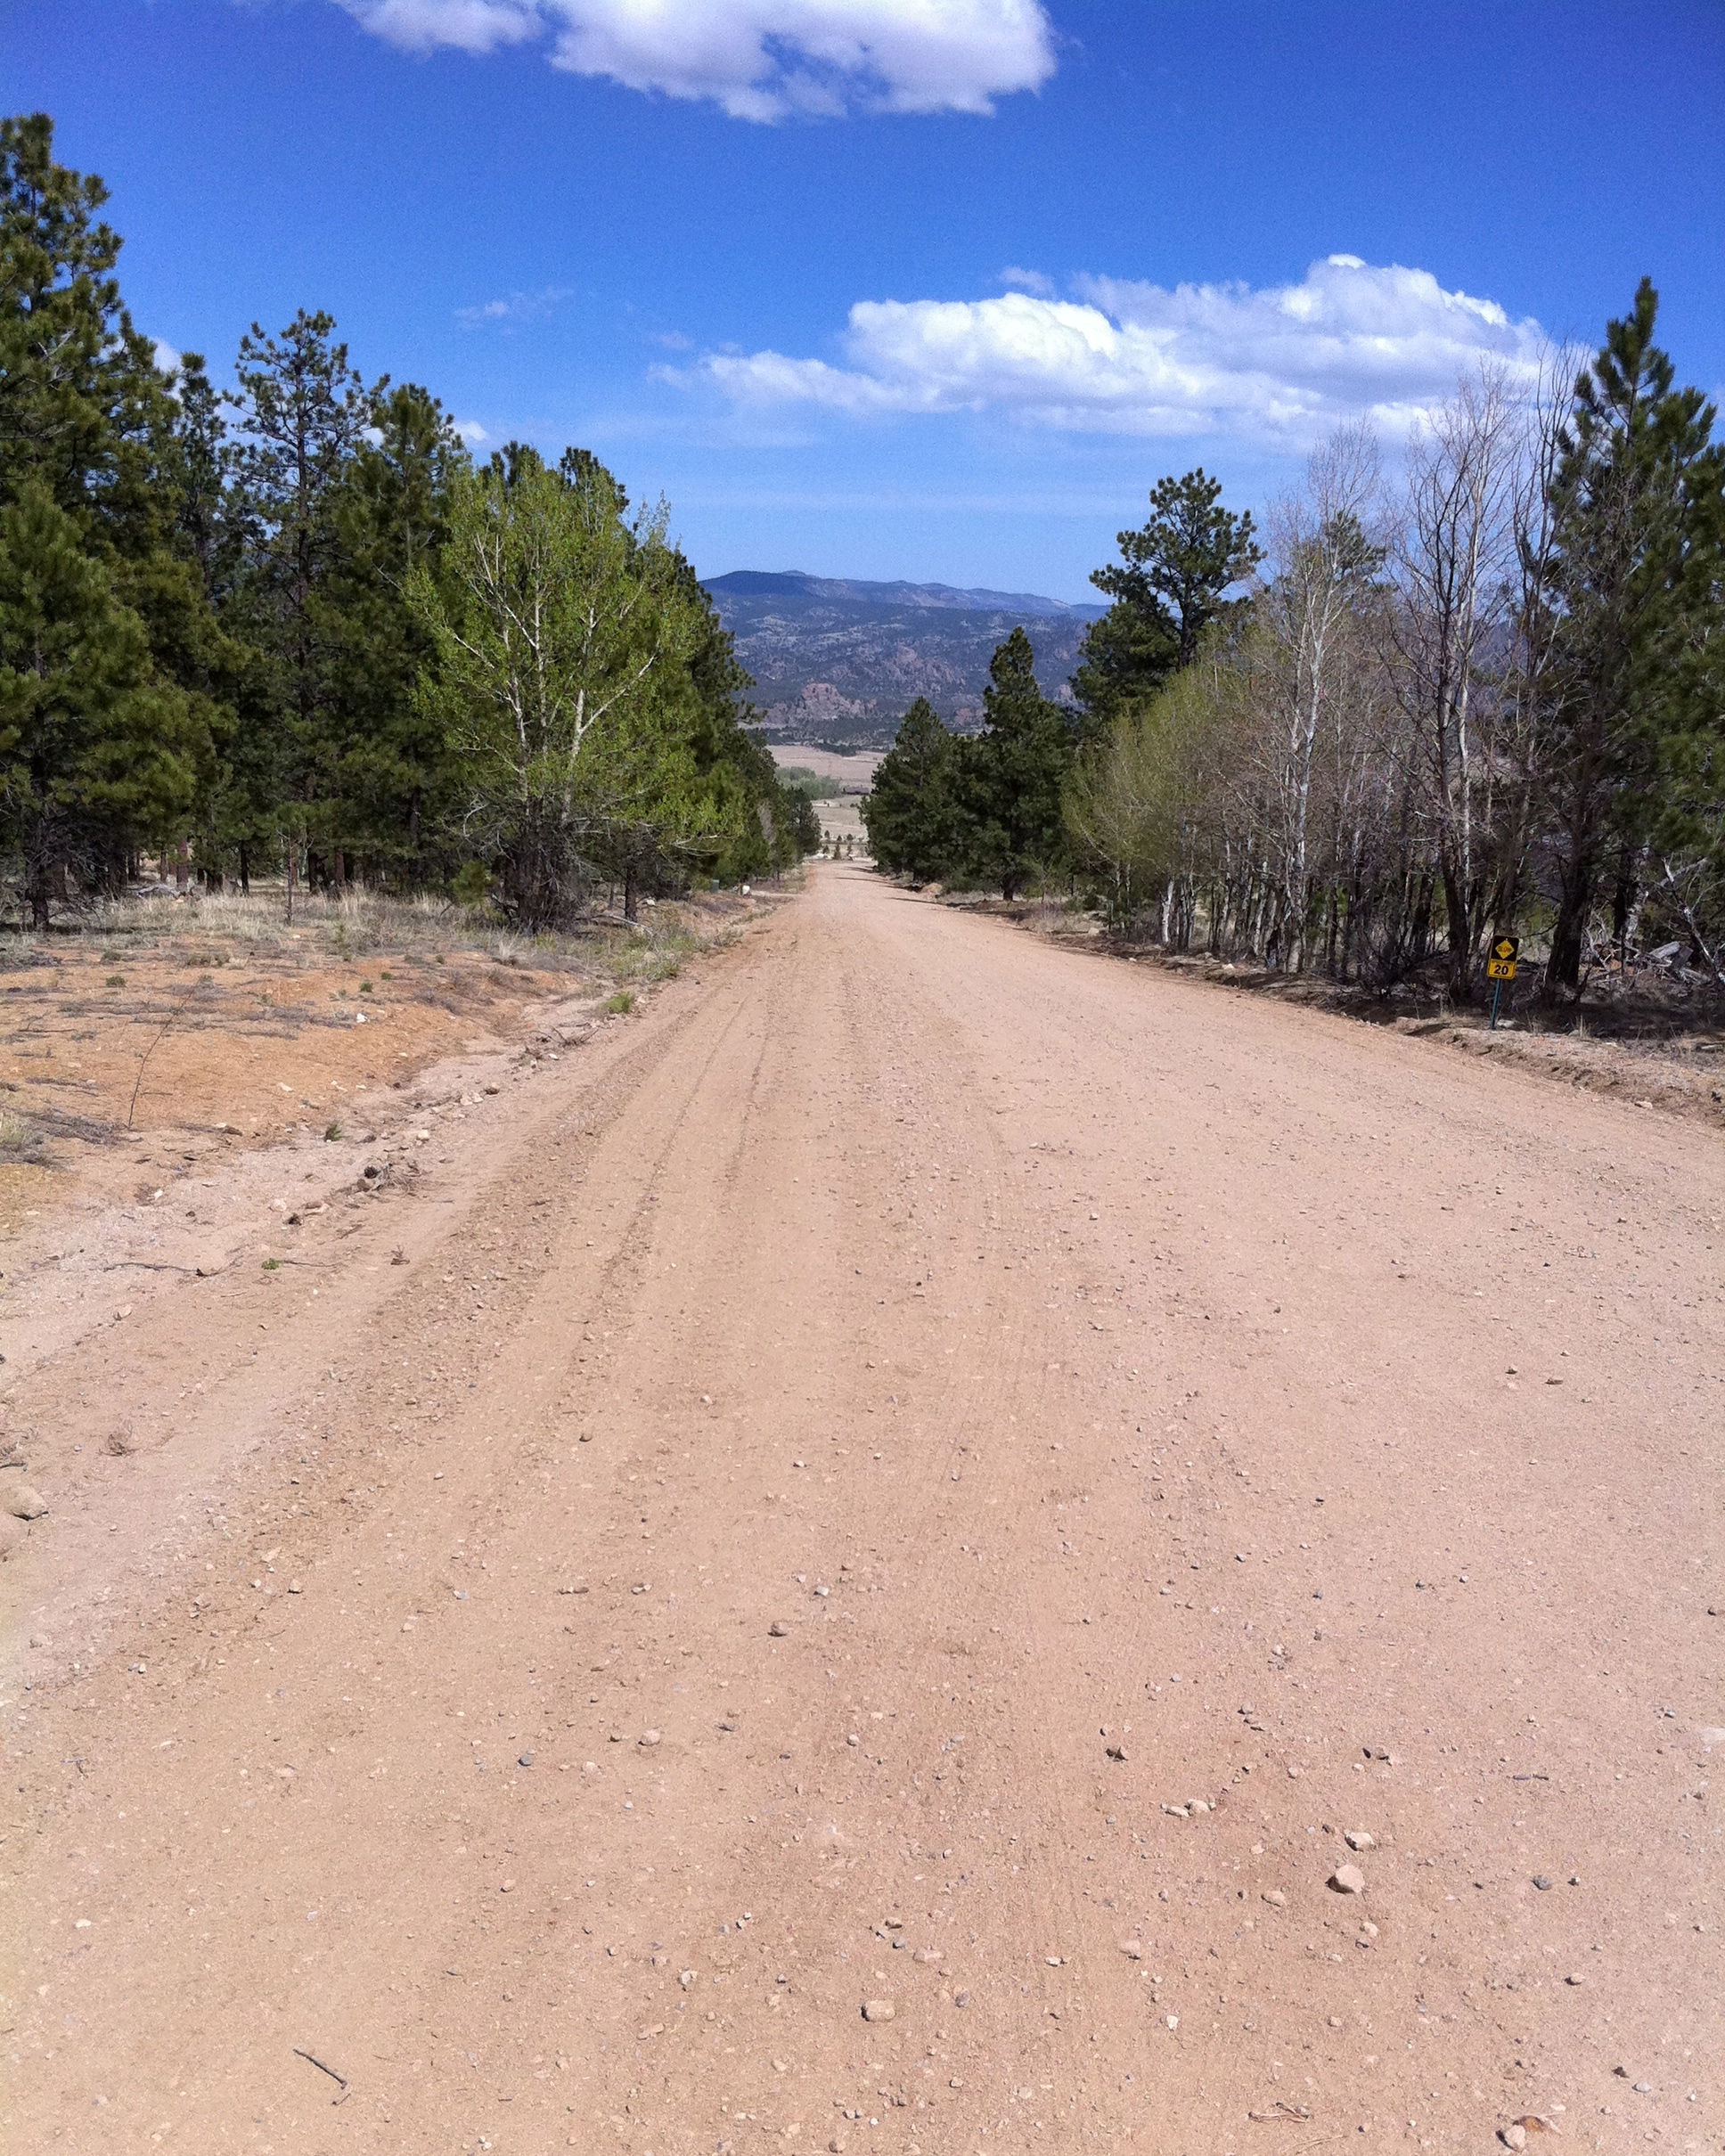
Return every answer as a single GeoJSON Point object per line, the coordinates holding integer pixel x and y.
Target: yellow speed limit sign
{"type": "Point", "coordinates": [1500, 962]}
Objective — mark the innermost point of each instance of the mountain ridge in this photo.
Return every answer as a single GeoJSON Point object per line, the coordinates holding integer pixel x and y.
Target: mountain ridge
{"type": "Point", "coordinates": [837, 657]}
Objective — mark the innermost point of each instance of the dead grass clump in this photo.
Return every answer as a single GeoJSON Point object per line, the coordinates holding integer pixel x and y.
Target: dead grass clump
{"type": "Point", "coordinates": [20, 1142]}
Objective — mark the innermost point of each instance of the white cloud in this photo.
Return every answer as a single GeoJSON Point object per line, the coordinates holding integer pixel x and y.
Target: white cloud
{"type": "Point", "coordinates": [1282, 364]}
{"type": "Point", "coordinates": [758, 60]}
{"type": "Point", "coordinates": [168, 360]}
{"type": "Point", "coordinates": [1028, 280]}
{"type": "Point", "coordinates": [518, 306]}
{"type": "Point", "coordinates": [472, 432]}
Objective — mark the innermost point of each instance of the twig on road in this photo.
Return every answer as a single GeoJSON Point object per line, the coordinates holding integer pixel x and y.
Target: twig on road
{"type": "Point", "coordinates": [324, 2070]}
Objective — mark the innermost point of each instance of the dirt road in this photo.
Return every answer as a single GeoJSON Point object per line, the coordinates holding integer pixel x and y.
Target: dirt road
{"type": "Point", "coordinates": [850, 1466]}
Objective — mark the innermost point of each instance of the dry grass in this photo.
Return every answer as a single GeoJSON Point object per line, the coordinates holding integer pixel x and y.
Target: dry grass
{"type": "Point", "coordinates": [212, 1018]}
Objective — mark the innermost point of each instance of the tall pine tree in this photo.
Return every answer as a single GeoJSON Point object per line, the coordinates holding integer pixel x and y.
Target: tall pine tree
{"type": "Point", "coordinates": [1635, 580]}
{"type": "Point", "coordinates": [1011, 774]}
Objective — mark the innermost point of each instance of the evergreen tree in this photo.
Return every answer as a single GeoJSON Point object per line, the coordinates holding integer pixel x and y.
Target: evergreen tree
{"type": "Point", "coordinates": [1635, 579]}
{"type": "Point", "coordinates": [89, 429]}
{"type": "Point", "coordinates": [390, 518]}
{"type": "Point", "coordinates": [95, 746]}
{"type": "Point", "coordinates": [1167, 587]}
{"type": "Point", "coordinates": [1011, 774]}
{"type": "Point", "coordinates": [302, 412]}
{"type": "Point", "coordinates": [912, 812]}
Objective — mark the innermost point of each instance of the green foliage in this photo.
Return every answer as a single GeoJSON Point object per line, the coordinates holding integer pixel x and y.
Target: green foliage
{"type": "Point", "coordinates": [110, 658]}
{"type": "Point", "coordinates": [1167, 588]}
{"type": "Point", "coordinates": [1637, 580]}
{"type": "Point", "coordinates": [1011, 776]}
{"type": "Point", "coordinates": [560, 681]}
{"type": "Point", "coordinates": [798, 778]}
{"type": "Point", "coordinates": [93, 744]}
{"type": "Point", "coordinates": [300, 414]}
{"type": "Point", "coordinates": [912, 814]}
{"type": "Point", "coordinates": [985, 806]}
{"type": "Point", "coordinates": [1136, 804]}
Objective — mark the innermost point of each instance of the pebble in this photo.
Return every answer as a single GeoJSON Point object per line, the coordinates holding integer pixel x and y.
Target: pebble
{"type": "Point", "coordinates": [1513, 2137]}
{"type": "Point", "coordinates": [878, 2010]}
{"type": "Point", "coordinates": [526, 1759]}
{"type": "Point", "coordinates": [778, 1629]}
{"type": "Point", "coordinates": [1173, 2021]}
{"type": "Point", "coordinates": [1347, 1879]}
{"type": "Point", "coordinates": [1542, 1884]}
{"type": "Point", "coordinates": [649, 1738]}
{"type": "Point", "coordinates": [1359, 1839]}
{"type": "Point", "coordinates": [960, 1998]}
{"type": "Point", "coordinates": [23, 1503]}
{"type": "Point", "coordinates": [1576, 1978]}
{"type": "Point", "coordinates": [1133, 1948]}
{"type": "Point", "coordinates": [1118, 1752]}
{"type": "Point", "coordinates": [1275, 1898]}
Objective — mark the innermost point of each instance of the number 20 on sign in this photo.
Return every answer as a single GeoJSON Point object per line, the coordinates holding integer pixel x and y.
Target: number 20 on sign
{"type": "Point", "coordinates": [1499, 968]}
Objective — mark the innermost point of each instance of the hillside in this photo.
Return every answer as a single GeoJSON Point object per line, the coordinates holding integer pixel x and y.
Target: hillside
{"type": "Point", "coordinates": [835, 658]}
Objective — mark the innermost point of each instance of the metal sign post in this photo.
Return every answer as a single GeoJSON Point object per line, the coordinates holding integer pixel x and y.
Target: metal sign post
{"type": "Point", "coordinates": [1499, 968]}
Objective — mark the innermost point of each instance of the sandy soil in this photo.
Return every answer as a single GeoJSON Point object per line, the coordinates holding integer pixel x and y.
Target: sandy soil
{"type": "Point", "coordinates": [916, 1469]}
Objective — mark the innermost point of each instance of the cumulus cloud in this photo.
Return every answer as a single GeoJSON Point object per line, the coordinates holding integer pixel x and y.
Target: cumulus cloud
{"type": "Point", "coordinates": [1282, 364]}
{"type": "Point", "coordinates": [758, 60]}
{"type": "Point", "coordinates": [472, 432]}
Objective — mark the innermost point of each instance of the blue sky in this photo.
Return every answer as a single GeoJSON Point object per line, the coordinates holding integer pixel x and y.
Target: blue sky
{"type": "Point", "coordinates": [829, 276]}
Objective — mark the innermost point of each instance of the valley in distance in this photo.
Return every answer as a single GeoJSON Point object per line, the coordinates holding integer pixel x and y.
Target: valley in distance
{"type": "Point", "coordinates": [840, 660]}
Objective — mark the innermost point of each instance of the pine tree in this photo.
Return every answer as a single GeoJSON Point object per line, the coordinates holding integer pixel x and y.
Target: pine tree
{"type": "Point", "coordinates": [302, 411]}
{"type": "Point", "coordinates": [1634, 579]}
{"type": "Point", "coordinates": [95, 746]}
{"type": "Point", "coordinates": [390, 517]}
{"type": "Point", "coordinates": [1011, 774]}
{"type": "Point", "coordinates": [912, 813]}
{"type": "Point", "coordinates": [89, 429]}
{"type": "Point", "coordinates": [1167, 588]}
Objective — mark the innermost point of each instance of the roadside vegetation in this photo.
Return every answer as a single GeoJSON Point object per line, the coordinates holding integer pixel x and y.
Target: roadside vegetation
{"type": "Point", "coordinates": [1484, 696]}
{"type": "Point", "coordinates": [293, 633]}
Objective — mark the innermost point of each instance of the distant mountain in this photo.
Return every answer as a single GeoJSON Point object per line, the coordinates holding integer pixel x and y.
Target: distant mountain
{"type": "Point", "coordinates": [835, 658]}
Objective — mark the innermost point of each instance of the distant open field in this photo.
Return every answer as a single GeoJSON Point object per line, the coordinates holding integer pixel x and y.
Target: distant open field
{"type": "Point", "coordinates": [841, 818]}
{"type": "Point", "coordinates": [855, 773]}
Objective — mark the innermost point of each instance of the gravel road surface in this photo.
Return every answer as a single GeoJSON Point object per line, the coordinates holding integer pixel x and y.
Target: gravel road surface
{"type": "Point", "coordinates": [862, 1563]}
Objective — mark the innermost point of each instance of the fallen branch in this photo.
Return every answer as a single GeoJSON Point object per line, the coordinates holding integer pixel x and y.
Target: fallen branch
{"type": "Point", "coordinates": [168, 1026]}
{"type": "Point", "coordinates": [321, 2068]}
